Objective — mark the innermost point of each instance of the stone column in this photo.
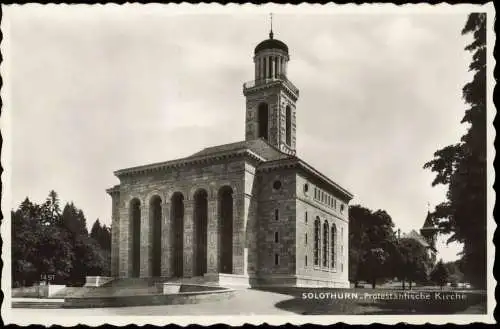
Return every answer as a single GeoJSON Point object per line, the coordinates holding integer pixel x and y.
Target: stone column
{"type": "Point", "coordinates": [249, 225]}
{"type": "Point", "coordinates": [239, 226]}
{"type": "Point", "coordinates": [262, 67]}
{"type": "Point", "coordinates": [188, 237]}
{"type": "Point", "coordinates": [166, 240]}
{"type": "Point", "coordinates": [145, 258]}
{"type": "Point", "coordinates": [213, 237]}
{"type": "Point", "coordinates": [115, 233]}
{"type": "Point", "coordinates": [125, 242]}
{"type": "Point", "coordinates": [256, 69]}
{"type": "Point", "coordinates": [267, 67]}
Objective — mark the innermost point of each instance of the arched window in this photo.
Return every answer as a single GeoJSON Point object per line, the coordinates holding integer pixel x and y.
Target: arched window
{"type": "Point", "coordinates": [263, 119]}
{"type": "Point", "coordinates": [317, 238]}
{"type": "Point", "coordinates": [288, 119]}
{"type": "Point", "coordinates": [275, 67]}
{"type": "Point", "coordinates": [333, 251]}
{"type": "Point", "coordinates": [326, 232]}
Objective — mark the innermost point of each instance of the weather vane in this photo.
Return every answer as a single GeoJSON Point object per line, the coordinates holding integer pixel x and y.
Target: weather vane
{"type": "Point", "coordinates": [271, 33]}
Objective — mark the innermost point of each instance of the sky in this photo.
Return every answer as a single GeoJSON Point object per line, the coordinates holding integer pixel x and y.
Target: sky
{"type": "Point", "coordinates": [95, 89]}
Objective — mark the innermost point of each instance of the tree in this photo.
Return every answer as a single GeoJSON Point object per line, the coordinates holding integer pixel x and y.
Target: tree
{"type": "Point", "coordinates": [101, 234]}
{"type": "Point", "coordinates": [462, 166]}
{"type": "Point", "coordinates": [375, 261]}
{"type": "Point", "coordinates": [74, 220]}
{"type": "Point", "coordinates": [455, 275]}
{"type": "Point", "coordinates": [39, 247]}
{"type": "Point", "coordinates": [51, 208]}
{"type": "Point", "coordinates": [371, 239]}
{"type": "Point", "coordinates": [411, 261]}
{"type": "Point", "coordinates": [47, 243]}
{"type": "Point", "coordinates": [439, 274]}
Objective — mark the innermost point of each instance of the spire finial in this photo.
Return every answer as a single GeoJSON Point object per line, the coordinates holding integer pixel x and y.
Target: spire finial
{"type": "Point", "coordinates": [428, 207]}
{"type": "Point", "coordinates": [271, 34]}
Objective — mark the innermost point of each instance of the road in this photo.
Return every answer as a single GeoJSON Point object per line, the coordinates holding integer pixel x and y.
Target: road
{"type": "Point", "coordinates": [244, 302]}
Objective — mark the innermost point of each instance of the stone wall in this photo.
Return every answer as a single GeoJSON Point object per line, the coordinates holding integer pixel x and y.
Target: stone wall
{"type": "Point", "coordinates": [270, 200]}
{"type": "Point", "coordinates": [186, 180]}
{"type": "Point", "coordinates": [311, 274]}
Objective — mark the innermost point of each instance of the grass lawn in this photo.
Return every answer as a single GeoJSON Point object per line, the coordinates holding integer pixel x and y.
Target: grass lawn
{"type": "Point", "coordinates": [323, 301]}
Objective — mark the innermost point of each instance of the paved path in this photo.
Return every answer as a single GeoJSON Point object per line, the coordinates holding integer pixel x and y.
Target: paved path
{"type": "Point", "coordinates": [244, 302]}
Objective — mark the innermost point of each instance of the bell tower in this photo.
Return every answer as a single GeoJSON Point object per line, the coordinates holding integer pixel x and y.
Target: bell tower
{"type": "Point", "coordinates": [271, 97]}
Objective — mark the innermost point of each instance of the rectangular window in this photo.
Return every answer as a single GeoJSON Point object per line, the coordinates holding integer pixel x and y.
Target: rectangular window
{"type": "Point", "coordinates": [306, 239]}
{"type": "Point", "coordinates": [335, 203]}
{"type": "Point", "coordinates": [276, 214]}
{"type": "Point", "coordinates": [276, 237]}
{"type": "Point", "coordinates": [306, 217]}
{"type": "Point", "coordinates": [305, 261]}
{"type": "Point", "coordinates": [276, 259]}
{"type": "Point", "coordinates": [341, 267]}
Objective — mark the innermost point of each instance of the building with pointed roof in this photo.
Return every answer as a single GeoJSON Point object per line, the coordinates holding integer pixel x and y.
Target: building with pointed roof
{"type": "Point", "coordinates": [248, 213]}
{"type": "Point", "coordinates": [427, 237]}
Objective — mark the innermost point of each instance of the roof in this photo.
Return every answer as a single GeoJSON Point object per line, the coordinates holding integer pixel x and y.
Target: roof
{"type": "Point", "coordinates": [264, 153]}
{"type": "Point", "coordinates": [429, 222]}
{"type": "Point", "coordinates": [257, 146]}
{"type": "Point", "coordinates": [414, 235]}
{"type": "Point", "coordinates": [257, 149]}
{"type": "Point", "coordinates": [271, 43]}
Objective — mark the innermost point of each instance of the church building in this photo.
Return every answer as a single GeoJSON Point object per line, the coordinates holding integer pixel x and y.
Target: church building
{"type": "Point", "coordinates": [250, 213]}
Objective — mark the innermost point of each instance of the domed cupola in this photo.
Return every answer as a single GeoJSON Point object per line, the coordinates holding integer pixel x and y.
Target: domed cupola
{"type": "Point", "coordinates": [271, 58]}
{"type": "Point", "coordinates": [271, 44]}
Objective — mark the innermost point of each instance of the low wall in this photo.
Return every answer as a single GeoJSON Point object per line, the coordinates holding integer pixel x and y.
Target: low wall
{"type": "Point", "coordinates": [146, 300]}
{"type": "Point", "coordinates": [38, 291]}
{"type": "Point", "coordinates": [97, 281]}
{"type": "Point", "coordinates": [229, 280]}
{"type": "Point", "coordinates": [27, 292]}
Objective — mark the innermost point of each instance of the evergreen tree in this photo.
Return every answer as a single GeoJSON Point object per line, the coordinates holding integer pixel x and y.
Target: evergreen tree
{"type": "Point", "coordinates": [47, 243]}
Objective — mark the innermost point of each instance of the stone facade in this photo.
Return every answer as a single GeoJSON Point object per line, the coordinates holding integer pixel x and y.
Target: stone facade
{"type": "Point", "coordinates": [250, 213]}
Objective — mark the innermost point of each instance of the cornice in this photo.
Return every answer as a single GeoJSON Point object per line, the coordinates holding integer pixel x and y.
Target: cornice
{"type": "Point", "coordinates": [183, 162]}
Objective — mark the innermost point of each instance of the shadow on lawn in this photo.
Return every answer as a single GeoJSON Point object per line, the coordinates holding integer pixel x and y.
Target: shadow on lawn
{"type": "Point", "coordinates": [330, 301]}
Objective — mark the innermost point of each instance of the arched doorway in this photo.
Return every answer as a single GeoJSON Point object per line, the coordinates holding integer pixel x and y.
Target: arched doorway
{"type": "Point", "coordinates": [135, 233]}
{"type": "Point", "coordinates": [155, 214]}
{"type": "Point", "coordinates": [177, 241]}
{"type": "Point", "coordinates": [226, 230]}
{"type": "Point", "coordinates": [200, 233]}
{"type": "Point", "coordinates": [263, 119]}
